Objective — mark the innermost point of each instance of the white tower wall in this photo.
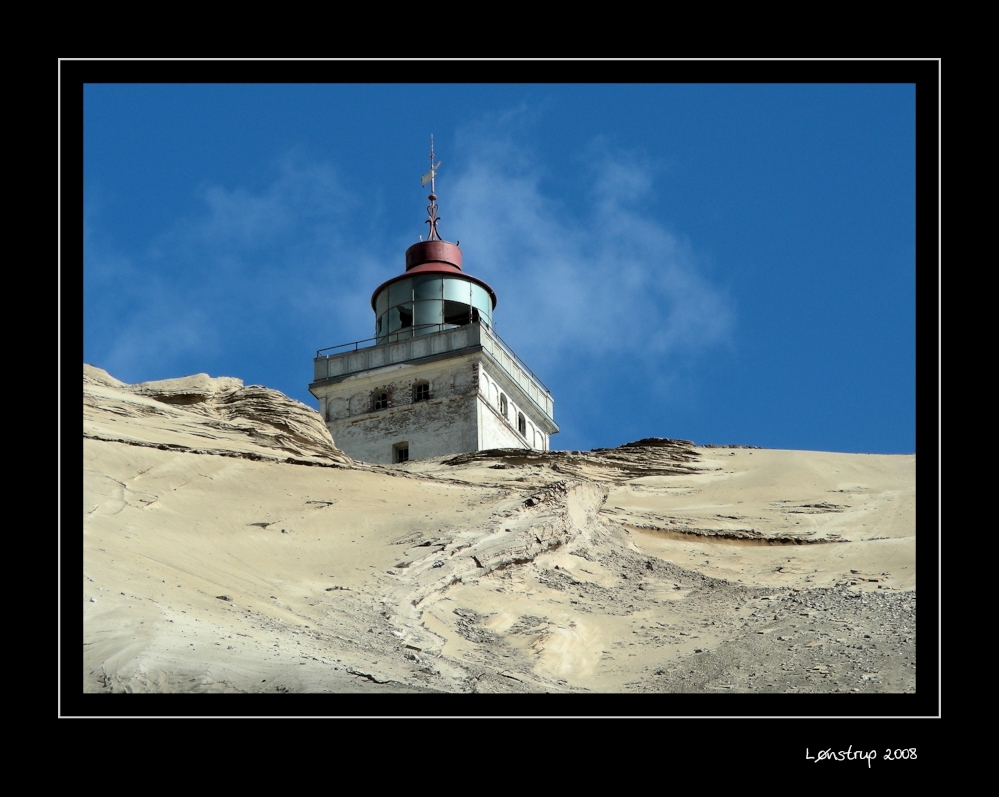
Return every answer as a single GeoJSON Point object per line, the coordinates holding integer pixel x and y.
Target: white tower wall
{"type": "Point", "coordinates": [459, 396]}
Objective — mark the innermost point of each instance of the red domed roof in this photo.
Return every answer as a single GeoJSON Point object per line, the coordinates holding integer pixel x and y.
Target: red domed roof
{"type": "Point", "coordinates": [433, 252]}
{"type": "Point", "coordinates": [433, 257]}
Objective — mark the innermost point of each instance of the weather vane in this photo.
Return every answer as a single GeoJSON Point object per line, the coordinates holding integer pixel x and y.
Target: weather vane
{"type": "Point", "coordinates": [432, 207]}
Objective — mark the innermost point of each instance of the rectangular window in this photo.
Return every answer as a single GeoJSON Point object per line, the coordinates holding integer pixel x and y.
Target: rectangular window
{"type": "Point", "coordinates": [421, 392]}
{"type": "Point", "coordinates": [401, 452]}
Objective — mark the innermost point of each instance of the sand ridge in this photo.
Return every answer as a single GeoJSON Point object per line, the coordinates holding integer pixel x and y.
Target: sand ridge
{"type": "Point", "coordinates": [230, 547]}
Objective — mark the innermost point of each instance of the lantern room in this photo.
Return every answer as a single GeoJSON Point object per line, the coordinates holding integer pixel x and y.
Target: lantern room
{"type": "Point", "coordinates": [432, 295]}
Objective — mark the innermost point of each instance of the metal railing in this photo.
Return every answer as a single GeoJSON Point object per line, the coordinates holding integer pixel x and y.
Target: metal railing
{"type": "Point", "coordinates": [439, 328]}
{"type": "Point", "coordinates": [516, 359]}
{"type": "Point", "coordinates": [357, 343]}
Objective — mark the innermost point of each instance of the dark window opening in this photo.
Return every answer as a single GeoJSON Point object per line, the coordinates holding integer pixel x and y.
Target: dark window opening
{"type": "Point", "coordinates": [503, 406]}
{"type": "Point", "coordinates": [521, 424]}
{"type": "Point", "coordinates": [405, 317]}
{"type": "Point", "coordinates": [458, 314]}
{"type": "Point", "coordinates": [421, 391]}
{"type": "Point", "coordinates": [401, 452]}
{"type": "Point", "coordinates": [379, 401]}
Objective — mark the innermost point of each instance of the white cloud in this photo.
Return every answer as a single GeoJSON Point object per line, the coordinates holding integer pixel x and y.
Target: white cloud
{"type": "Point", "coordinates": [612, 282]}
{"type": "Point", "coordinates": [148, 343]}
{"type": "Point", "coordinates": [247, 270]}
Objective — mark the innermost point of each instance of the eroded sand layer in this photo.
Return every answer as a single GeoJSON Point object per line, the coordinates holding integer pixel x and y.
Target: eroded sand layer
{"type": "Point", "coordinates": [230, 547]}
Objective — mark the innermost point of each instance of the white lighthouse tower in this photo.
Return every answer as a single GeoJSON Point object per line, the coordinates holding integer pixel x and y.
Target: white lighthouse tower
{"type": "Point", "coordinates": [436, 379]}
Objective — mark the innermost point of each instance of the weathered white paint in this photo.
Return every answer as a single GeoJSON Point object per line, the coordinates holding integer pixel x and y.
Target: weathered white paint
{"type": "Point", "coordinates": [468, 371]}
{"type": "Point", "coordinates": [474, 336]}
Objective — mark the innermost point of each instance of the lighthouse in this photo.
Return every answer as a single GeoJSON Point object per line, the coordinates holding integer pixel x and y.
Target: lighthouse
{"type": "Point", "coordinates": [435, 379]}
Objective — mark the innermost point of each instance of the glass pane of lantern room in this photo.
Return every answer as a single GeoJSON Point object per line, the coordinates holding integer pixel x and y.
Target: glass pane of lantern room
{"type": "Point", "coordinates": [482, 301]}
{"type": "Point", "coordinates": [457, 290]}
{"type": "Point", "coordinates": [428, 316]}
{"type": "Point", "coordinates": [401, 291]}
{"type": "Point", "coordinates": [394, 322]}
{"type": "Point", "coordinates": [428, 287]}
{"type": "Point", "coordinates": [381, 302]}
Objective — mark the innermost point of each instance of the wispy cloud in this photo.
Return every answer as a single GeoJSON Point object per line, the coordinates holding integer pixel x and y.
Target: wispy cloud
{"type": "Point", "coordinates": [244, 272]}
{"type": "Point", "coordinates": [612, 281]}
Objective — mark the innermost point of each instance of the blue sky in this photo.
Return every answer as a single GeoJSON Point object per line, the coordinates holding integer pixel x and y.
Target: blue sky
{"type": "Point", "coordinates": [718, 262]}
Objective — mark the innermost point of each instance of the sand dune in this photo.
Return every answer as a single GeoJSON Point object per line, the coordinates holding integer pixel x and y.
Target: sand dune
{"type": "Point", "coordinates": [230, 547]}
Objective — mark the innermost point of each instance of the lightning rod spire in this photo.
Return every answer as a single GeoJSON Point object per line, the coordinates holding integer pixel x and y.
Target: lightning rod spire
{"type": "Point", "coordinates": [430, 177]}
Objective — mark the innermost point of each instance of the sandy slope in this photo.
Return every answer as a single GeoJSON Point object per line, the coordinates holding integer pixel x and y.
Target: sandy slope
{"type": "Point", "coordinates": [230, 547]}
